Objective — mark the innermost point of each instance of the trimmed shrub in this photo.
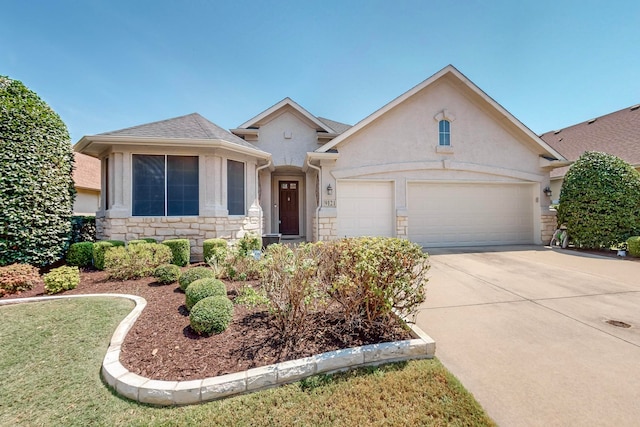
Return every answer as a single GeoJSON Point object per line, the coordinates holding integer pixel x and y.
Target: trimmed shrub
{"type": "Point", "coordinates": [17, 277]}
{"type": "Point", "coordinates": [211, 315]}
{"type": "Point", "coordinates": [83, 229]}
{"type": "Point", "coordinates": [61, 279]}
{"type": "Point", "coordinates": [203, 288]}
{"type": "Point", "coordinates": [600, 201]}
{"type": "Point", "coordinates": [136, 242]}
{"type": "Point", "coordinates": [215, 250]}
{"type": "Point", "coordinates": [116, 242]}
{"type": "Point", "coordinates": [166, 274]}
{"type": "Point", "coordinates": [193, 274]}
{"type": "Point", "coordinates": [80, 254]}
{"type": "Point", "coordinates": [633, 244]}
{"type": "Point", "coordinates": [149, 240]}
{"type": "Point", "coordinates": [99, 249]}
{"type": "Point", "coordinates": [181, 250]}
{"type": "Point", "coordinates": [135, 261]}
{"type": "Point", "coordinates": [36, 183]}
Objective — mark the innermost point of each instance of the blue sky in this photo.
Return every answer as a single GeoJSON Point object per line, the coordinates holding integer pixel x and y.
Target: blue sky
{"type": "Point", "coordinates": [106, 65]}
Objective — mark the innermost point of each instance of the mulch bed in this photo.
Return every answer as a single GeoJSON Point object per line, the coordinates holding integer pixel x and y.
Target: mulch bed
{"type": "Point", "coordinates": [161, 345]}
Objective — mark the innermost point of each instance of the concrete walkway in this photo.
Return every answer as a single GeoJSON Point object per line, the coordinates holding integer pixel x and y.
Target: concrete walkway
{"type": "Point", "coordinates": [524, 328]}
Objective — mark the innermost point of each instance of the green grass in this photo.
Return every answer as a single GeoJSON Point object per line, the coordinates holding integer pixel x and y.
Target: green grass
{"type": "Point", "coordinates": [51, 352]}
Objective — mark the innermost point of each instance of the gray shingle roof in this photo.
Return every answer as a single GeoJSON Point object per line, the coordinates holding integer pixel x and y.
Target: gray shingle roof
{"type": "Point", "coordinates": [191, 126]}
{"type": "Point", "coordinates": [336, 126]}
{"type": "Point", "coordinates": [616, 133]}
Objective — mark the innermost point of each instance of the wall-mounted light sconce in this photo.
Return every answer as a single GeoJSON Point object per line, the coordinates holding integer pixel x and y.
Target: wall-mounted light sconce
{"type": "Point", "coordinates": [329, 189]}
{"type": "Point", "coordinates": [547, 191]}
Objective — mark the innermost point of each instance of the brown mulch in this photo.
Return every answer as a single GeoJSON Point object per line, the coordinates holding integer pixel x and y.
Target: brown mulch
{"type": "Point", "coordinates": [161, 345]}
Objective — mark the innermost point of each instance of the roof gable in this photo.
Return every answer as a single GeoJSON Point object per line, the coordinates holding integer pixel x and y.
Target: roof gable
{"type": "Point", "coordinates": [465, 83]}
{"type": "Point", "coordinates": [288, 104]}
{"type": "Point", "coordinates": [617, 133]}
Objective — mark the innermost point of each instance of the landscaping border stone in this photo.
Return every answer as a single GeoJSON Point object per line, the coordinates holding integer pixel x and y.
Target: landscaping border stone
{"type": "Point", "coordinates": [170, 393]}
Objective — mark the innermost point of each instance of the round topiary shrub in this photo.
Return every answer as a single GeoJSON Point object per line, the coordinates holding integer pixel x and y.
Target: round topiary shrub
{"type": "Point", "coordinates": [600, 201]}
{"type": "Point", "coordinates": [36, 183]}
{"type": "Point", "coordinates": [211, 315]}
{"type": "Point", "coordinates": [166, 274]}
{"type": "Point", "coordinates": [61, 279]}
{"type": "Point", "coordinates": [193, 274]}
{"type": "Point", "coordinates": [99, 249]}
{"type": "Point", "coordinates": [203, 288]}
{"type": "Point", "coordinates": [181, 250]}
{"type": "Point", "coordinates": [80, 254]}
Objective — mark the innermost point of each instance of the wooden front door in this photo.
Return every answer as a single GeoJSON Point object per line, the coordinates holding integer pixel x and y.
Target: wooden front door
{"type": "Point", "coordinates": [289, 207]}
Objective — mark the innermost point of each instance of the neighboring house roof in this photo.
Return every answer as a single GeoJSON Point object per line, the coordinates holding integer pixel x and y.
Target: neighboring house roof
{"type": "Point", "coordinates": [616, 133]}
{"type": "Point", "coordinates": [543, 148]}
{"type": "Point", "coordinates": [191, 130]}
{"type": "Point", "coordinates": [86, 173]}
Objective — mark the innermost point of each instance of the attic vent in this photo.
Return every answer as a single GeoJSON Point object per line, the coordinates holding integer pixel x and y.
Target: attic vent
{"type": "Point", "coordinates": [635, 107]}
{"type": "Point", "coordinates": [591, 121]}
{"type": "Point", "coordinates": [555, 132]}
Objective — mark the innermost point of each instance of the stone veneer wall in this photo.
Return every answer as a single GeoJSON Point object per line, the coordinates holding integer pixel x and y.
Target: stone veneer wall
{"type": "Point", "coordinates": [548, 225]}
{"type": "Point", "coordinates": [402, 227]}
{"type": "Point", "coordinates": [196, 229]}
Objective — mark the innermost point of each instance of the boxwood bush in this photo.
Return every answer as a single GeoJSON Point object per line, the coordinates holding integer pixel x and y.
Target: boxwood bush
{"type": "Point", "coordinates": [193, 274]}
{"type": "Point", "coordinates": [166, 274]}
{"type": "Point", "coordinates": [214, 250]}
{"type": "Point", "coordinates": [36, 183]}
{"type": "Point", "coordinates": [100, 248]}
{"type": "Point", "coordinates": [633, 244]}
{"type": "Point", "coordinates": [80, 254]}
{"type": "Point", "coordinates": [211, 315]}
{"type": "Point", "coordinates": [600, 201]}
{"type": "Point", "coordinates": [17, 277]}
{"type": "Point", "coordinates": [203, 288]}
{"type": "Point", "coordinates": [135, 261]}
{"type": "Point", "coordinates": [181, 250]}
{"type": "Point", "coordinates": [61, 279]}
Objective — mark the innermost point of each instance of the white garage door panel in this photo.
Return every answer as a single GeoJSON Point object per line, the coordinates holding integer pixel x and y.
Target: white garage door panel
{"type": "Point", "coordinates": [443, 215]}
{"type": "Point", "coordinates": [365, 208]}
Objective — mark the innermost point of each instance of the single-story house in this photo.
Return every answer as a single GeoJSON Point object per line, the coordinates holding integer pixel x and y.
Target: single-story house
{"type": "Point", "coordinates": [616, 133]}
{"type": "Point", "coordinates": [86, 179]}
{"type": "Point", "coordinates": [442, 165]}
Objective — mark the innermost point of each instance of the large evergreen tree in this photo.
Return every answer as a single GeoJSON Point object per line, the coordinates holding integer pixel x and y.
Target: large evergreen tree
{"type": "Point", "coordinates": [36, 182]}
{"type": "Point", "coordinates": [600, 201]}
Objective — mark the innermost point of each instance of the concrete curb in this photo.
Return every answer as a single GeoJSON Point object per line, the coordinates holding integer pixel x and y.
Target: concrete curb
{"type": "Point", "coordinates": [156, 392]}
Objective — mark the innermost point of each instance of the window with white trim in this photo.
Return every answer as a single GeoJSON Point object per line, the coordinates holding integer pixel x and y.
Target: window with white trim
{"type": "Point", "coordinates": [165, 185]}
{"type": "Point", "coordinates": [444, 136]}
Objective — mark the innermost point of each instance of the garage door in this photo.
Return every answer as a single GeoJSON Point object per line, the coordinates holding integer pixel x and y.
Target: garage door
{"type": "Point", "coordinates": [365, 208]}
{"type": "Point", "coordinates": [443, 215]}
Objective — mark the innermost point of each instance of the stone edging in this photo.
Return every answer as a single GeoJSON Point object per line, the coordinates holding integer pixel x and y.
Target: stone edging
{"type": "Point", "coordinates": [158, 392]}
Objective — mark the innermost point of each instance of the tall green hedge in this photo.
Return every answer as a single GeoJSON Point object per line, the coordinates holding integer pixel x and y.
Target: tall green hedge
{"type": "Point", "coordinates": [36, 183]}
{"type": "Point", "coordinates": [600, 201]}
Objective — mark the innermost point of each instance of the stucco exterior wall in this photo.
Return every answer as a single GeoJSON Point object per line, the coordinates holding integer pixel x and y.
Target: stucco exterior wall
{"type": "Point", "coordinates": [288, 138]}
{"type": "Point", "coordinates": [87, 202]}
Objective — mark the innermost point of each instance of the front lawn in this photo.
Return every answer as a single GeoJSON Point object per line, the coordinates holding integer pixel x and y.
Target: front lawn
{"type": "Point", "coordinates": [51, 352]}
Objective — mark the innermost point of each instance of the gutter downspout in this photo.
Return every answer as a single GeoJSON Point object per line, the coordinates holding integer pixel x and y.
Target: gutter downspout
{"type": "Point", "coordinates": [258, 169]}
{"type": "Point", "coordinates": [320, 192]}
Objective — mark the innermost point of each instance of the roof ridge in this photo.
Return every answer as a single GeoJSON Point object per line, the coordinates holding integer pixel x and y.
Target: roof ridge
{"type": "Point", "coordinates": [206, 129]}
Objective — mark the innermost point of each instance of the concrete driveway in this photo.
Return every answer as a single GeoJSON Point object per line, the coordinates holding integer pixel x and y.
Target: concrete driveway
{"type": "Point", "coordinates": [524, 329]}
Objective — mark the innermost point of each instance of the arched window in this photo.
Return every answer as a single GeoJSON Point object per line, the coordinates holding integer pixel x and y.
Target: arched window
{"type": "Point", "coordinates": [444, 127]}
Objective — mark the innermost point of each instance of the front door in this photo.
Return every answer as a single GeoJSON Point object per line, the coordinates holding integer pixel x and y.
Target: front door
{"type": "Point", "coordinates": [289, 207]}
